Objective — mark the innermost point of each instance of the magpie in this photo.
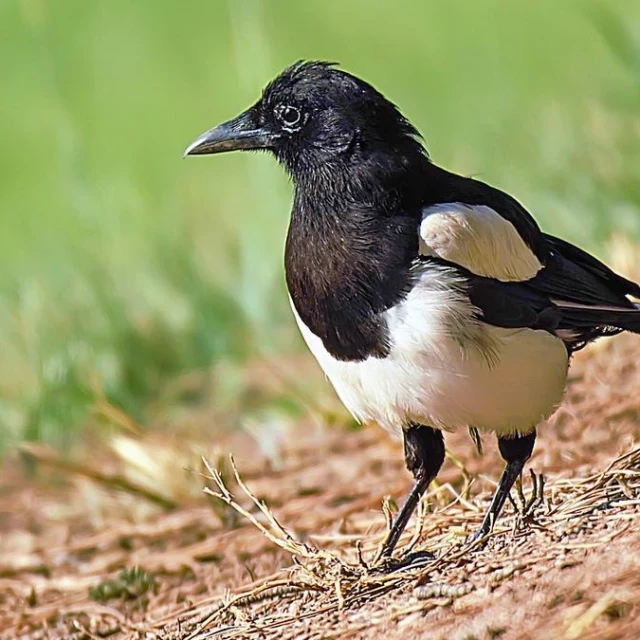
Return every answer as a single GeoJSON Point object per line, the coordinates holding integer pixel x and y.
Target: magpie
{"type": "Point", "coordinates": [432, 301]}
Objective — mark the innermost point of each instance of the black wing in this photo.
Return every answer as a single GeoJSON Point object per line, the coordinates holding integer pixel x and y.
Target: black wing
{"type": "Point", "coordinates": [575, 297]}
{"type": "Point", "coordinates": [589, 271]}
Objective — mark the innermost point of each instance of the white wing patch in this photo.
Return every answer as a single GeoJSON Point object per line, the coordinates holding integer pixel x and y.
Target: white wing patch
{"type": "Point", "coordinates": [479, 239]}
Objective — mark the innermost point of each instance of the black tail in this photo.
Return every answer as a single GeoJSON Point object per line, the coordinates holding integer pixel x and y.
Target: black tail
{"type": "Point", "coordinates": [591, 317]}
{"type": "Point", "coordinates": [592, 299]}
{"type": "Point", "coordinates": [579, 327]}
{"type": "Point", "coordinates": [616, 283]}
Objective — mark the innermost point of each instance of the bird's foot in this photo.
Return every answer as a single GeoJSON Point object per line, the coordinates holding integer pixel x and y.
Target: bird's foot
{"type": "Point", "coordinates": [478, 539]}
{"type": "Point", "coordinates": [410, 560]}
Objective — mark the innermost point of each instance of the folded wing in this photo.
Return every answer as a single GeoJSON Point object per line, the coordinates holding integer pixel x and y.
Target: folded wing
{"type": "Point", "coordinates": [576, 302]}
{"type": "Point", "coordinates": [558, 288]}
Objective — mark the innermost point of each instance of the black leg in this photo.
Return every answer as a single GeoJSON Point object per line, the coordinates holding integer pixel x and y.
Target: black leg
{"type": "Point", "coordinates": [516, 451]}
{"type": "Point", "coordinates": [423, 455]}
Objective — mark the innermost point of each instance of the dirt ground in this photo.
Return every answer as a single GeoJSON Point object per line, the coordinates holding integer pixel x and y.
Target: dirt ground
{"type": "Point", "coordinates": [563, 562]}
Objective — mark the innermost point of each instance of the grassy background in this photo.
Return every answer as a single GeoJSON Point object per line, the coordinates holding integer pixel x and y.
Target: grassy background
{"type": "Point", "coordinates": [123, 266]}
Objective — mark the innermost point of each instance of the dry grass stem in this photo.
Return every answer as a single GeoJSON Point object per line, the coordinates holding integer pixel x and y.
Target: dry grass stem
{"type": "Point", "coordinates": [564, 562]}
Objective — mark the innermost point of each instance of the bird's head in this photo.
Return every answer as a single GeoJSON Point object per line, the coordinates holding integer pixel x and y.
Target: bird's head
{"type": "Point", "coordinates": [314, 115]}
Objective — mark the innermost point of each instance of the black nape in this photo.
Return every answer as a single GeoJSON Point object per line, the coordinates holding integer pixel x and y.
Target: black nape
{"type": "Point", "coordinates": [423, 455]}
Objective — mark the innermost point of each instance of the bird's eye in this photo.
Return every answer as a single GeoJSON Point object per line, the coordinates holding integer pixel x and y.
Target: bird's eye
{"type": "Point", "coordinates": [290, 117]}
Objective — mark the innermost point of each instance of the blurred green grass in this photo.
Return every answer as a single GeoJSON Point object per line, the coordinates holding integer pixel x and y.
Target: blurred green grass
{"type": "Point", "coordinates": [122, 266]}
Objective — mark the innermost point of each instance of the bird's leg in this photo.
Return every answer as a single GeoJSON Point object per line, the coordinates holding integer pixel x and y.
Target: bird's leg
{"type": "Point", "coordinates": [423, 455]}
{"type": "Point", "coordinates": [516, 451]}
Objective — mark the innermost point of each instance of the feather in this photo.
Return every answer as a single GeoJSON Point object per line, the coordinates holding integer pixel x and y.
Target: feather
{"type": "Point", "coordinates": [478, 239]}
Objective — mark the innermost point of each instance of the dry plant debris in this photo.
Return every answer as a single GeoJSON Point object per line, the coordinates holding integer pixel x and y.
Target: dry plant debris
{"type": "Point", "coordinates": [564, 562]}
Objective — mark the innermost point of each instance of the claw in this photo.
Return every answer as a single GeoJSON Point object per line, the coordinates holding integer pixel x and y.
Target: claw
{"type": "Point", "coordinates": [472, 540]}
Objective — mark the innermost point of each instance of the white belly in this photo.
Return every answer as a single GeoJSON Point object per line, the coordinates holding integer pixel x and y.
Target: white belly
{"type": "Point", "coordinates": [447, 370]}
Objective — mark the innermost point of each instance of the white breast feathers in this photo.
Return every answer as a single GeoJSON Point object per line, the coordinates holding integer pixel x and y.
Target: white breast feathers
{"type": "Point", "coordinates": [448, 370]}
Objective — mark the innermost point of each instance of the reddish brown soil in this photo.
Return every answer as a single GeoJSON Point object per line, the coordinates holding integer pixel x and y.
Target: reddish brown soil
{"type": "Point", "coordinates": [568, 568]}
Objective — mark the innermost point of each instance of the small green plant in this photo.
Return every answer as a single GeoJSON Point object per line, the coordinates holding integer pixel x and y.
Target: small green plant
{"type": "Point", "coordinates": [129, 585]}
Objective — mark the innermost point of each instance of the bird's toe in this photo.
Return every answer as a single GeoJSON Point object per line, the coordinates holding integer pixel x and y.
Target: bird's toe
{"type": "Point", "coordinates": [410, 560]}
{"type": "Point", "coordinates": [477, 539]}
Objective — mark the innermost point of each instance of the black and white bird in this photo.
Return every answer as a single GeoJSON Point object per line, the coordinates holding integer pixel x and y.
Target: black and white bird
{"type": "Point", "coordinates": [432, 301]}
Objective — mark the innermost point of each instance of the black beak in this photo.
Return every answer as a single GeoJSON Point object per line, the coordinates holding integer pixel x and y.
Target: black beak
{"type": "Point", "coordinates": [237, 134]}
